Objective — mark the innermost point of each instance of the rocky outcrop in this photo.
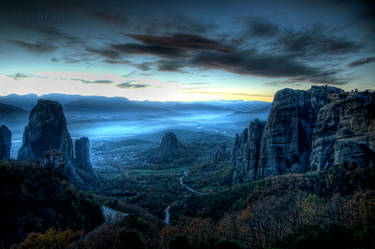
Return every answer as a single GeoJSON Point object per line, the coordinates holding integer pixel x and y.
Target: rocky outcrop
{"type": "Point", "coordinates": [287, 137]}
{"type": "Point", "coordinates": [47, 131]}
{"type": "Point", "coordinates": [344, 132]}
{"type": "Point", "coordinates": [246, 152]}
{"type": "Point", "coordinates": [82, 149]}
{"type": "Point", "coordinates": [82, 158]}
{"type": "Point", "coordinates": [170, 149]}
{"type": "Point", "coordinates": [306, 131]}
{"type": "Point", "coordinates": [5, 142]}
{"type": "Point", "coordinates": [220, 154]}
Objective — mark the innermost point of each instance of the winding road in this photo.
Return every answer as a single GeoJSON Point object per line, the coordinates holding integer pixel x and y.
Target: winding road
{"type": "Point", "coordinates": [186, 172]}
{"type": "Point", "coordinates": [110, 216]}
{"type": "Point", "coordinates": [166, 210]}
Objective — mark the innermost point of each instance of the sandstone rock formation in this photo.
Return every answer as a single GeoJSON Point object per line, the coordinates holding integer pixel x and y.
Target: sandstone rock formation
{"type": "Point", "coordinates": [307, 130]}
{"type": "Point", "coordinates": [47, 131]}
{"type": "Point", "coordinates": [286, 139]}
{"type": "Point", "coordinates": [170, 148]}
{"type": "Point", "coordinates": [5, 142]}
{"type": "Point", "coordinates": [82, 159]}
{"type": "Point", "coordinates": [344, 132]}
{"type": "Point", "coordinates": [220, 154]}
{"type": "Point", "coordinates": [246, 152]}
{"type": "Point", "coordinates": [82, 149]}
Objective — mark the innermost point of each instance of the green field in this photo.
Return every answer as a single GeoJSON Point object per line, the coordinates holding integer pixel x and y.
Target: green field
{"type": "Point", "coordinates": [160, 172]}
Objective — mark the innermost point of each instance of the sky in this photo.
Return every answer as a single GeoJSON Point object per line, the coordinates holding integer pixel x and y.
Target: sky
{"type": "Point", "coordinates": [185, 50]}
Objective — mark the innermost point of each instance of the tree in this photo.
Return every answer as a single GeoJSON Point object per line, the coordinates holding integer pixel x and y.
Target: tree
{"type": "Point", "coordinates": [180, 242]}
{"type": "Point", "coordinates": [228, 244]}
{"type": "Point", "coordinates": [52, 239]}
{"type": "Point", "coordinates": [131, 239]}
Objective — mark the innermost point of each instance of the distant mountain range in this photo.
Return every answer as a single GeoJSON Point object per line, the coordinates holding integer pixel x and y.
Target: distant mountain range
{"type": "Point", "coordinates": [100, 104]}
{"type": "Point", "coordinates": [10, 112]}
{"type": "Point", "coordinates": [263, 109]}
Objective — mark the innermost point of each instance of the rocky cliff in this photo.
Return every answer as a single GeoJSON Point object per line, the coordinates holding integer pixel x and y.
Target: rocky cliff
{"type": "Point", "coordinates": [307, 130]}
{"type": "Point", "coordinates": [344, 132]}
{"type": "Point", "coordinates": [170, 148]}
{"type": "Point", "coordinates": [82, 158]}
{"type": "Point", "coordinates": [5, 142]}
{"type": "Point", "coordinates": [286, 139]}
{"type": "Point", "coordinates": [47, 131]}
{"type": "Point", "coordinates": [246, 152]}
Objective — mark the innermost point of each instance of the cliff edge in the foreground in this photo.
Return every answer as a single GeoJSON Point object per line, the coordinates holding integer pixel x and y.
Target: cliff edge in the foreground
{"type": "Point", "coordinates": [307, 130]}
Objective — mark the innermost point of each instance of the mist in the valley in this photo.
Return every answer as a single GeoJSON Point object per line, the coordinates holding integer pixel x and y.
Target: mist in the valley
{"type": "Point", "coordinates": [115, 119]}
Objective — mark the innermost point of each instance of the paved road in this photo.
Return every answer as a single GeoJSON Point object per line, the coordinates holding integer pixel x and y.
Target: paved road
{"type": "Point", "coordinates": [111, 215]}
{"type": "Point", "coordinates": [166, 210]}
{"type": "Point", "coordinates": [167, 215]}
{"type": "Point", "coordinates": [186, 186]}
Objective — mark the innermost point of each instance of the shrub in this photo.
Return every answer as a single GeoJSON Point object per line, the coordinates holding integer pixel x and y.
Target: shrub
{"type": "Point", "coordinates": [228, 244]}
{"type": "Point", "coordinates": [179, 242]}
{"type": "Point", "coordinates": [131, 239]}
{"type": "Point", "coordinates": [52, 239]}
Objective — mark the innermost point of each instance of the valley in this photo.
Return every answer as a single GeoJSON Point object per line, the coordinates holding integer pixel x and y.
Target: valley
{"type": "Point", "coordinates": [193, 175]}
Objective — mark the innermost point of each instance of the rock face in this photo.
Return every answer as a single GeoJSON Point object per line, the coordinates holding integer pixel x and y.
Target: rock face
{"type": "Point", "coordinates": [5, 142]}
{"type": "Point", "coordinates": [82, 149]}
{"type": "Point", "coordinates": [47, 131]}
{"type": "Point", "coordinates": [287, 136]}
{"type": "Point", "coordinates": [344, 132]}
{"type": "Point", "coordinates": [170, 148]}
{"type": "Point", "coordinates": [82, 159]}
{"type": "Point", "coordinates": [220, 154]}
{"type": "Point", "coordinates": [307, 130]}
{"type": "Point", "coordinates": [246, 152]}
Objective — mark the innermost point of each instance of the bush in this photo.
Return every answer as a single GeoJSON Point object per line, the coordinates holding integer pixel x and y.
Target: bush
{"type": "Point", "coordinates": [228, 244]}
{"type": "Point", "coordinates": [52, 239]}
{"type": "Point", "coordinates": [328, 236]}
{"type": "Point", "coordinates": [131, 239]}
{"type": "Point", "coordinates": [180, 242]}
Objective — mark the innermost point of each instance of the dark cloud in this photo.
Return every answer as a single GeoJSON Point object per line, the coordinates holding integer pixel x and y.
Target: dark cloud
{"type": "Point", "coordinates": [185, 41]}
{"type": "Point", "coordinates": [316, 41]}
{"type": "Point", "coordinates": [102, 81]}
{"type": "Point", "coordinates": [107, 53]}
{"type": "Point", "coordinates": [108, 16]}
{"type": "Point", "coordinates": [69, 59]}
{"type": "Point", "coordinates": [362, 61]}
{"type": "Point", "coordinates": [34, 47]}
{"type": "Point", "coordinates": [170, 23]}
{"type": "Point", "coordinates": [261, 27]}
{"type": "Point", "coordinates": [253, 64]}
{"type": "Point", "coordinates": [132, 85]}
{"type": "Point", "coordinates": [124, 62]}
{"type": "Point", "coordinates": [170, 66]}
{"type": "Point", "coordinates": [177, 45]}
{"type": "Point", "coordinates": [156, 50]}
{"type": "Point", "coordinates": [146, 66]}
{"type": "Point", "coordinates": [92, 81]}
{"type": "Point", "coordinates": [19, 76]}
{"type": "Point", "coordinates": [261, 65]}
{"type": "Point", "coordinates": [54, 34]}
